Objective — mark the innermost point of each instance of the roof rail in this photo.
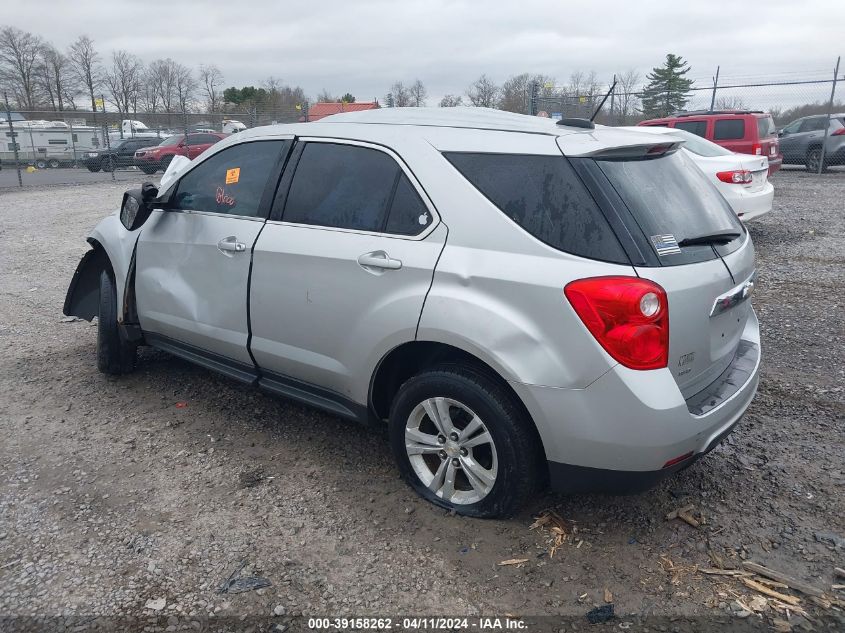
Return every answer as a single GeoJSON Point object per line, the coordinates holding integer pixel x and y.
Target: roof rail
{"type": "Point", "coordinates": [684, 113]}
{"type": "Point", "coordinates": [577, 122]}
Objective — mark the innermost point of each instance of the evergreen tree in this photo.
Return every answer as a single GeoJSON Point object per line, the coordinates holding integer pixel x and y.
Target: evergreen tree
{"type": "Point", "coordinates": [668, 88]}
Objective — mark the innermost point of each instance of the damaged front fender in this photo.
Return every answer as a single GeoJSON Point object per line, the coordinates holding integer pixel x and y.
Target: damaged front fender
{"type": "Point", "coordinates": [83, 294]}
{"type": "Point", "coordinates": [112, 249]}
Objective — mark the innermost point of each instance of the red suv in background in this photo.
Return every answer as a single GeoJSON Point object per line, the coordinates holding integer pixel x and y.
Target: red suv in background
{"type": "Point", "coordinates": [742, 131]}
{"type": "Point", "coordinates": [151, 159]}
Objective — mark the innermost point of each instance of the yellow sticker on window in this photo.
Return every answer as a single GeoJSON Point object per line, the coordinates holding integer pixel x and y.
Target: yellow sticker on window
{"type": "Point", "coordinates": [232, 175]}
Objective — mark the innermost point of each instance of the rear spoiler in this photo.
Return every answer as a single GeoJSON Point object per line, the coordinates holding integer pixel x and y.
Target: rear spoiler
{"type": "Point", "coordinates": [634, 152]}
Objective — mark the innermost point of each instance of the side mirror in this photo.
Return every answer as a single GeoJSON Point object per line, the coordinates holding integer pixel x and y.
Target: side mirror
{"type": "Point", "coordinates": [137, 206]}
{"type": "Point", "coordinates": [782, 133]}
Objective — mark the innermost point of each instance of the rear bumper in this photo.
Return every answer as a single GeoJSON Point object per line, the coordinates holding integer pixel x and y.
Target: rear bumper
{"type": "Point", "coordinates": [620, 432]}
{"type": "Point", "coordinates": [749, 205]}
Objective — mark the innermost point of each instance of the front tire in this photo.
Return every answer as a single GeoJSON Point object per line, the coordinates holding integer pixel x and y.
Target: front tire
{"type": "Point", "coordinates": [812, 160]}
{"type": "Point", "coordinates": [463, 443]}
{"type": "Point", "coordinates": [114, 355]}
{"type": "Point", "coordinates": [93, 168]}
{"type": "Point", "coordinates": [148, 170]}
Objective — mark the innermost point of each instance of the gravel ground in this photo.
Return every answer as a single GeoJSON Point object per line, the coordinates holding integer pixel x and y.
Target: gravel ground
{"type": "Point", "coordinates": [139, 496]}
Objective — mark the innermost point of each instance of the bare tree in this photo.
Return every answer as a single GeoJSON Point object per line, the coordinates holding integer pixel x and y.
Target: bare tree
{"type": "Point", "coordinates": [85, 64]}
{"type": "Point", "coordinates": [211, 82]}
{"type": "Point", "coordinates": [418, 94]}
{"type": "Point", "coordinates": [401, 95]}
{"type": "Point", "coordinates": [186, 87]}
{"type": "Point", "coordinates": [161, 73]}
{"type": "Point", "coordinates": [733, 102]}
{"type": "Point", "coordinates": [324, 96]}
{"type": "Point", "coordinates": [484, 93]}
{"type": "Point", "coordinates": [56, 79]}
{"type": "Point", "coordinates": [19, 56]}
{"type": "Point", "coordinates": [626, 99]}
{"type": "Point", "coordinates": [451, 101]}
{"type": "Point", "coordinates": [123, 80]}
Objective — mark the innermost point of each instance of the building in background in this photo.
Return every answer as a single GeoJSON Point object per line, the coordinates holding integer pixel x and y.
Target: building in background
{"type": "Point", "coordinates": [323, 109]}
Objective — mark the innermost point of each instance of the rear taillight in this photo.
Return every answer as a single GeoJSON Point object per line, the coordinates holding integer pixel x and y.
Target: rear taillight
{"type": "Point", "coordinates": [628, 316]}
{"type": "Point", "coordinates": [758, 149]}
{"type": "Point", "coordinates": [736, 177]}
{"type": "Point", "coordinates": [839, 132]}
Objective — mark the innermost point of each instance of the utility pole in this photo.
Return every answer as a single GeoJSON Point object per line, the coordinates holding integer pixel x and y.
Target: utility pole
{"type": "Point", "coordinates": [612, 97]}
{"type": "Point", "coordinates": [715, 85]}
{"type": "Point", "coordinates": [533, 106]}
{"type": "Point", "coordinates": [106, 134]}
{"type": "Point", "coordinates": [14, 137]}
{"type": "Point", "coordinates": [829, 112]}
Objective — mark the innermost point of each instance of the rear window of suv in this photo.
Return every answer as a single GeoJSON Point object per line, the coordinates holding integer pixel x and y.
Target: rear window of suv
{"type": "Point", "coordinates": [669, 196]}
{"type": "Point", "coordinates": [544, 196]}
{"type": "Point", "coordinates": [766, 127]}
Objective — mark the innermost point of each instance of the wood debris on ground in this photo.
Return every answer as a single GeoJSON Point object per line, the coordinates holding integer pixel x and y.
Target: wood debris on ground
{"type": "Point", "coordinates": [559, 530]}
{"type": "Point", "coordinates": [770, 587]}
{"type": "Point", "coordinates": [676, 572]}
{"type": "Point", "coordinates": [688, 514]}
{"type": "Point", "coordinates": [608, 595]}
{"type": "Point", "coordinates": [514, 561]}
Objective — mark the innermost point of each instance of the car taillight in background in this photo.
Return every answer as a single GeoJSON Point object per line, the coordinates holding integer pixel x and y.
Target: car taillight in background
{"type": "Point", "coordinates": [839, 132]}
{"type": "Point", "coordinates": [758, 149]}
{"type": "Point", "coordinates": [628, 316]}
{"type": "Point", "coordinates": [737, 177]}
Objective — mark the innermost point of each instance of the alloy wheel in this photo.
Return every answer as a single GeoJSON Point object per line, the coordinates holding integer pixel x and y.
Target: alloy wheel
{"type": "Point", "coordinates": [451, 451]}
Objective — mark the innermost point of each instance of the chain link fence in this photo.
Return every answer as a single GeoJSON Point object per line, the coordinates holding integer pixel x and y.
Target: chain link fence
{"type": "Point", "coordinates": [49, 147]}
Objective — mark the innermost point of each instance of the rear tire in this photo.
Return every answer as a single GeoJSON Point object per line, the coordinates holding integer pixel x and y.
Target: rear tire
{"type": "Point", "coordinates": [114, 355]}
{"type": "Point", "coordinates": [486, 471]}
{"type": "Point", "coordinates": [812, 160]}
{"type": "Point", "coordinates": [165, 163]}
{"type": "Point", "coordinates": [54, 164]}
{"type": "Point", "coordinates": [41, 164]}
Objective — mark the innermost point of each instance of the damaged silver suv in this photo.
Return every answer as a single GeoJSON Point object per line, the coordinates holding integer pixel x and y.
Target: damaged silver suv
{"type": "Point", "coordinates": [523, 303]}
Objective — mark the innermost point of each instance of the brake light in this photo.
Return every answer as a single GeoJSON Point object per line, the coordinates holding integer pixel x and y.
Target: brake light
{"type": "Point", "coordinates": [628, 316]}
{"type": "Point", "coordinates": [839, 132]}
{"type": "Point", "coordinates": [736, 177]}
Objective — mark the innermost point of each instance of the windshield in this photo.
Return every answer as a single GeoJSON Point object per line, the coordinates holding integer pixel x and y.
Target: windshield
{"type": "Point", "coordinates": [171, 140]}
{"type": "Point", "coordinates": [670, 197]}
{"type": "Point", "coordinates": [700, 146]}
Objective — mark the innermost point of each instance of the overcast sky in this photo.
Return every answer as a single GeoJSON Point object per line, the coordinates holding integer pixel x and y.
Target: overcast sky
{"type": "Point", "coordinates": [361, 46]}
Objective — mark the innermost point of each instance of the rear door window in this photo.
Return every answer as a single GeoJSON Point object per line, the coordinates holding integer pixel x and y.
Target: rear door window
{"type": "Point", "coordinates": [669, 197]}
{"type": "Point", "coordinates": [544, 196]}
{"type": "Point", "coordinates": [343, 186]}
{"type": "Point", "coordinates": [729, 129]}
{"type": "Point", "coordinates": [699, 128]}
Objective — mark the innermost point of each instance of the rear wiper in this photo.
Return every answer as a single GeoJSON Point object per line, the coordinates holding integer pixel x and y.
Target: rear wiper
{"type": "Point", "coordinates": [721, 237]}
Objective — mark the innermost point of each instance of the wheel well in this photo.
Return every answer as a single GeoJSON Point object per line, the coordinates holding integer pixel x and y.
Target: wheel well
{"type": "Point", "coordinates": [83, 295]}
{"type": "Point", "coordinates": [411, 358]}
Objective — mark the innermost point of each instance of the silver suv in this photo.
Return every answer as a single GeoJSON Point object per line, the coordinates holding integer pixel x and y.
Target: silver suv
{"type": "Point", "coordinates": [520, 302]}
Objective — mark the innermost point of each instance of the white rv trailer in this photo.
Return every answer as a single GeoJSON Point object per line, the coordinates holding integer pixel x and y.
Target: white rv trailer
{"type": "Point", "coordinates": [48, 143]}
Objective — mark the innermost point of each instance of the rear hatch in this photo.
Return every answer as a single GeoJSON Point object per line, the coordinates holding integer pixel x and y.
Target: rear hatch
{"type": "Point", "coordinates": [767, 135]}
{"type": "Point", "coordinates": [663, 201]}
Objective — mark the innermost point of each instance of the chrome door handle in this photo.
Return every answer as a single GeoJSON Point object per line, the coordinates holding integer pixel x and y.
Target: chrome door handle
{"type": "Point", "coordinates": [379, 259]}
{"type": "Point", "coordinates": [231, 245]}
